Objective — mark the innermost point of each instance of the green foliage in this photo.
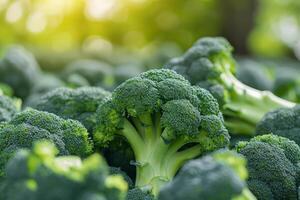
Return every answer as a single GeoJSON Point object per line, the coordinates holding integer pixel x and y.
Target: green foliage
{"type": "Point", "coordinates": [273, 164]}
{"type": "Point", "coordinates": [159, 113]}
{"type": "Point", "coordinates": [30, 125]}
{"type": "Point", "coordinates": [38, 174]}
{"type": "Point", "coordinates": [78, 104]}
{"type": "Point", "coordinates": [209, 63]}
{"type": "Point", "coordinates": [220, 175]}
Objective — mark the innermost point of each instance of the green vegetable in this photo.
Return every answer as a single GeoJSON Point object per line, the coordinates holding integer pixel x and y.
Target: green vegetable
{"type": "Point", "coordinates": [30, 125]}
{"type": "Point", "coordinates": [209, 64]}
{"type": "Point", "coordinates": [165, 120]}
{"type": "Point", "coordinates": [220, 175]}
{"type": "Point", "coordinates": [19, 70]}
{"type": "Point", "coordinates": [8, 108]}
{"type": "Point", "coordinates": [37, 174]}
{"type": "Point", "coordinates": [78, 104]}
{"type": "Point", "coordinates": [274, 166]}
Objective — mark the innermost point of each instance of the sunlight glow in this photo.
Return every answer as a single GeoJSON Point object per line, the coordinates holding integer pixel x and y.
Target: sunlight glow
{"type": "Point", "coordinates": [36, 22]}
{"type": "Point", "coordinates": [14, 12]}
{"type": "Point", "coordinates": [99, 9]}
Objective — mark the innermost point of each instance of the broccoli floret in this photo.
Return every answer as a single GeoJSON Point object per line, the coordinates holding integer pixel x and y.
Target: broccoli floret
{"type": "Point", "coordinates": [118, 171]}
{"type": "Point", "coordinates": [45, 83]}
{"type": "Point", "coordinates": [209, 64]}
{"type": "Point", "coordinates": [8, 108]}
{"type": "Point", "coordinates": [283, 122]}
{"type": "Point", "coordinates": [220, 175]}
{"type": "Point", "coordinates": [165, 120]}
{"type": "Point", "coordinates": [274, 166]}
{"type": "Point", "coordinates": [30, 125]}
{"type": "Point", "coordinates": [19, 70]}
{"type": "Point", "coordinates": [78, 104]}
{"type": "Point", "coordinates": [93, 72]}
{"type": "Point", "coordinates": [37, 174]}
{"type": "Point", "coordinates": [138, 194]}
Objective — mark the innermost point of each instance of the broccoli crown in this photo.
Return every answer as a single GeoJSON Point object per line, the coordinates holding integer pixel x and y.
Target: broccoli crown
{"type": "Point", "coordinates": [209, 64]}
{"type": "Point", "coordinates": [118, 171]}
{"type": "Point", "coordinates": [138, 194]}
{"type": "Point", "coordinates": [91, 70]}
{"type": "Point", "coordinates": [273, 164]}
{"type": "Point", "coordinates": [8, 108]}
{"type": "Point", "coordinates": [19, 69]}
{"type": "Point", "coordinates": [30, 125]}
{"type": "Point", "coordinates": [283, 122]}
{"type": "Point", "coordinates": [37, 174]}
{"type": "Point", "coordinates": [78, 104]}
{"type": "Point", "coordinates": [159, 112]}
{"type": "Point", "coordinates": [219, 176]}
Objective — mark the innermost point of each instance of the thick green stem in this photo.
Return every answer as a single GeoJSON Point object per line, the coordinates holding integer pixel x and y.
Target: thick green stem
{"type": "Point", "coordinates": [248, 104]}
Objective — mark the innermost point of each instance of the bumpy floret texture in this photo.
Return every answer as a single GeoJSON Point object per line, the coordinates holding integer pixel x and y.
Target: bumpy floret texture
{"type": "Point", "coordinates": [283, 122]}
{"type": "Point", "coordinates": [30, 125]}
{"type": "Point", "coordinates": [78, 104]}
{"type": "Point", "coordinates": [219, 176]}
{"type": "Point", "coordinates": [19, 70]}
{"type": "Point", "coordinates": [37, 174]}
{"type": "Point", "coordinates": [273, 164]}
{"type": "Point", "coordinates": [8, 108]}
{"type": "Point", "coordinates": [138, 194]}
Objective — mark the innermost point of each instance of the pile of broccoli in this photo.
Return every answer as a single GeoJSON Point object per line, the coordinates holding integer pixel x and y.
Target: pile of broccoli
{"type": "Point", "coordinates": [199, 128]}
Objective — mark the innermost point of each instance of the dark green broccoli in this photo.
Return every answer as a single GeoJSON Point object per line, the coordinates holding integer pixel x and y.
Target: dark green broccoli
{"type": "Point", "coordinates": [219, 176]}
{"type": "Point", "coordinates": [19, 70]}
{"type": "Point", "coordinates": [209, 64]}
{"type": "Point", "coordinates": [118, 171]}
{"type": "Point", "coordinates": [283, 122]}
{"type": "Point", "coordinates": [30, 125]}
{"type": "Point", "coordinates": [45, 83]}
{"type": "Point", "coordinates": [38, 174]}
{"type": "Point", "coordinates": [274, 166]}
{"type": "Point", "coordinates": [138, 194]}
{"type": "Point", "coordinates": [78, 104]}
{"type": "Point", "coordinates": [8, 108]}
{"type": "Point", "coordinates": [165, 120]}
{"type": "Point", "coordinates": [92, 72]}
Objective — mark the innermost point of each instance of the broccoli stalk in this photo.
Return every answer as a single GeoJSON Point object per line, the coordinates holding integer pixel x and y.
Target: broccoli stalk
{"type": "Point", "coordinates": [209, 64]}
{"type": "Point", "coordinates": [165, 120]}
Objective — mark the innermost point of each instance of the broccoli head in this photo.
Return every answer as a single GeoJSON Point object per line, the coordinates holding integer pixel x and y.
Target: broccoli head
{"type": "Point", "coordinates": [220, 175]}
{"type": "Point", "coordinates": [165, 120]}
{"type": "Point", "coordinates": [78, 104]}
{"type": "Point", "coordinates": [19, 70]}
{"type": "Point", "coordinates": [83, 72]}
{"type": "Point", "coordinates": [30, 125]}
{"type": "Point", "coordinates": [8, 108]}
{"type": "Point", "coordinates": [38, 174]}
{"type": "Point", "coordinates": [283, 122]}
{"type": "Point", "coordinates": [138, 194]}
{"type": "Point", "coordinates": [274, 166]}
{"type": "Point", "coordinates": [209, 64]}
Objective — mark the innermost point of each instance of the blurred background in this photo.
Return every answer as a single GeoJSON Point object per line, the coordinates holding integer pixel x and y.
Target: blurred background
{"type": "Point", "coordinates": [104, 42]}
{"type": "Point", "coordinates": [146, 30]}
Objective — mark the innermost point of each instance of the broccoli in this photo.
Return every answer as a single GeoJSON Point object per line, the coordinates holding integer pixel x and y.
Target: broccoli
{"type": "Point", "coordinates": [45, 83]}
{"type": "Point", "coordinates": [283, 122]}
{"type": "Point", "coordinates": [274, 166]}
{"type": "Point", "coordinates": [165, 120]}
{"type": "Point", "coordinates": [8, 108]}
{"type": "Point", "coordinates": [19, 70]}
{"type": "Point", "coordinates": [37, 174]}
{"type": "Point", "coordinates": [118, 171]}
{"type": "Point", "coordinates": [78, 104]}
{"type": "Point", "coordinates": [92, 72]}
{"type": "Point", "coordinates": [209, 64]}
{"type": "Point", "coordinates": [31, 125]}
{"type": "Point", "coordinates": [138, 194]}
{"type": "Point", "coordinates": [220, 176]}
